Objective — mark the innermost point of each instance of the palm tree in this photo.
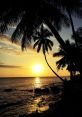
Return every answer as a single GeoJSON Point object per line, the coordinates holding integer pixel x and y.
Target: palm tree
{"type": "Point", "coordinates": [42, 41]}
{"type": "Point", "coordinates": [78, 34]}
{"type": "Point", "coordinates": [28, 17]}
{"type": "Point", "coordinates": [72, 7]}
{"type": "Point", "coordinates": [65, 61]}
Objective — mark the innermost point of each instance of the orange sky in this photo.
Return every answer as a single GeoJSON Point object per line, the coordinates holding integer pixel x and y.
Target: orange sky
{"type": "Point", "coordinates": [15, 63]}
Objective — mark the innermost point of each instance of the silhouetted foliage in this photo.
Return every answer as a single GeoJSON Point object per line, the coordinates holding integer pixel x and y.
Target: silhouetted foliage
{"type": "Point", "coordinates": [43, 42]}
{"type": "Point", "coordinates": [78, 33]}
{"type": "Point", "coordinates": [65, 60]}
{"type": "Point", "coordinates": [28, 16]}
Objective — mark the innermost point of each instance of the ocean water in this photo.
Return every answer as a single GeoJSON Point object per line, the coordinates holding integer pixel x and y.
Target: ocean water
{"type": "Point", "coordinates": [18, 97]}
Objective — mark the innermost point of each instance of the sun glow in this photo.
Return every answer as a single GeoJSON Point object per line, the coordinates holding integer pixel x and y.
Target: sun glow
{"type": "Point", "coordinates": [37, 68]}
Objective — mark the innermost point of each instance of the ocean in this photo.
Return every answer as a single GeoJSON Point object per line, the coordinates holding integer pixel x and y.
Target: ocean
{"type": "Point", "coordinates": [20, 96]}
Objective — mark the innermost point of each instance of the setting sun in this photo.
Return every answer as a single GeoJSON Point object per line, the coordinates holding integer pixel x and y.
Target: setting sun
{"type": "Point", "coordinates": [37, 68]}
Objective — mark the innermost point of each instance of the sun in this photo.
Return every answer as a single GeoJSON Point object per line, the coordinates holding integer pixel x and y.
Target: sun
{"type": "Point", "coordinates": [37, 68]}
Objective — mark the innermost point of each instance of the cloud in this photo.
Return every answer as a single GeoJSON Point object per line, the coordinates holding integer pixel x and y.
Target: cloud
{"type": "Point", "coordinates": [3, 65]}
{"type": "Point", "coordinates": [9, 49]}
{"type": "Point", "coordinates": [9, 66]}
{"type": "Point", "coordinates": [7, 37]}
{"type": "Point", "coordinates": [7, 46]}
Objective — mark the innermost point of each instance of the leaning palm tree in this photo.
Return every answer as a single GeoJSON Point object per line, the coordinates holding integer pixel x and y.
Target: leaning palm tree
{"type": "Point", "coordinates": [65, 61]}
{"type": "Point", "coordinates": [43, 42]}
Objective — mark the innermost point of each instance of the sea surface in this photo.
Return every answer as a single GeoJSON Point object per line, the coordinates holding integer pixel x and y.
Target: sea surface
{"type": "Point", "coordinates": [20, 96]}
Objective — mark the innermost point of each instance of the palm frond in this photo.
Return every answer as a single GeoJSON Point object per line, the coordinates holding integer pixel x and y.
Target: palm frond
{"type": "Point", "coordinates": [25, 41]}
{"type": "Point", "coordinates": [50, 42]}
{"type": "Point", "coordinates": [36, 44]}
{"type": "Point", "coordinates": [17, 32]}
{"type": "Point", "coordinates": [43, 49]}
{"type": "Point", "coordinates": [35, 37]}
{"type": "Point", "coordinates": [47, 33]}
{"type": "Point", "coordinates": [39, 47]}
{"type": "Point", "coordinates": [49, 46]}
{"type": "Point", "coordinates": [61, 63]}
{"type": "Point", "coordinates": [46, 46]}
{"type": "Point", "coordinates": [59, 54]}
{"type": "Point", "coordinates": [43, 40]}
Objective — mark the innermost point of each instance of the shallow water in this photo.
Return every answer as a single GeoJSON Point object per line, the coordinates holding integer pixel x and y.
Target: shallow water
{"type": "Point", "coordinates": [17, 96]}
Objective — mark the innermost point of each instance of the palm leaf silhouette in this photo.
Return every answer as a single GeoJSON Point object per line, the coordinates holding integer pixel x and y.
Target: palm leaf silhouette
{"type": "Point", "coordinates": [65, 60]}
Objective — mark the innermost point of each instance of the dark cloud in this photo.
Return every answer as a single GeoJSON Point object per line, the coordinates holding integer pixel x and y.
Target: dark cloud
{"type": "Point", "coordinates": [9, 66]}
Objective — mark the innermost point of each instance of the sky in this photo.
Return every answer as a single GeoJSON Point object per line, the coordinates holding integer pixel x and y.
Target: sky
{"type": "Point", "coordinates": [15, 63]}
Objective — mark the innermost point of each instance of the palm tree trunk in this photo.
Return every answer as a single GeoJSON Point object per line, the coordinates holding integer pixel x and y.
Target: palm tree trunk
{"type": "Point", "coordinates": [72, 26]}
{"type": "Point", "coordinates": [52, 69]}
{"type": "Point", "coordinates": [56, 34]}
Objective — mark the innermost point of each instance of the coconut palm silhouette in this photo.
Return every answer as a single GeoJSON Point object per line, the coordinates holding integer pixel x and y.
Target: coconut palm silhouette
{"type": "Point", "coordinates": [43, 42]}
{"type": "Point", "coordinates": [65, 60]}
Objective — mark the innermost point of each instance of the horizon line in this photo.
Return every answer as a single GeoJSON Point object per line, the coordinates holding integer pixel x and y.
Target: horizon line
{"type": "Point", "coordinates": [30, 76]}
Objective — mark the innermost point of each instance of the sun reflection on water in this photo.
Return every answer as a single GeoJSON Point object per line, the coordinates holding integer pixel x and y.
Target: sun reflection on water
{"type": "Point", "coordinates": [37, 82]}
{"type": "Point", "coordinates": [39, 105]}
